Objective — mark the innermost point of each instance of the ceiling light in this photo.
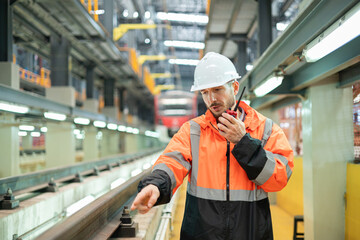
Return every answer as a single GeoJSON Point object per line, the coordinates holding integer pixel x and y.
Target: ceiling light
{"type": "Point", "coordinates": [184, 44]}
{"type": "Point", "coordinates": [147, 15]}
{"type": "Point", "coordinates": [43, 129]}
{"type": "Point", "coordinates": [125, 13]}
{"type": "Point", "coordinates": [26, 128]}
{"type": "Point", "coordinates": [82, 121]}
{"type": "Point", "coordinates": [76, 131]}
{"type": "Point", "coordinates": [341, 32]}
{"type": "Point", "coordinates": [171, 112]}
{"type": "Point", "coordinates": [135, 131]}
{"type": "Point", "coordinates": [122, 128]}
{"type": "Point", "coordinates": [35, 134]}
{"type": "Point", "coordinates": [152, 134]}
{"type": "Point", "coordinates": [129, 129]}
{"type": "Point", "coordinates": [99, 124]}
{"type": "Point", "coordinates": [22, 134]}
{"type": "Point", "coordinates": [270, 84]}
{"type": "Point", "coordinates": [182, 17]}
{"type": "Point", "coordinates": [112, 126]}
{"type": "Point", "coordinates": [281, 26]}
{"type": "Point", "coordinates": [135, 14]}
{"type": "Point", "coordinates": [249, 67]}
{"type": "Point", "coordinates": [147, 40]}
{"type": "Point", "coordinates": [13, 108]}
{"type": "Point", "coordinates": [55, 116]}
{"type": "Point", "coordinates": [191, 62]}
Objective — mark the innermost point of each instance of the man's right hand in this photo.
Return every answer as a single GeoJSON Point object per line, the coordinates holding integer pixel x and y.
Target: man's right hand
{"type": "Point", "coordinates": [146, 199]}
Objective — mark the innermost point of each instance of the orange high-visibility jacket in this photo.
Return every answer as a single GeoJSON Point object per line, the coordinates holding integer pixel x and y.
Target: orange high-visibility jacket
{"type": "Point", "coordinates": [228, 184]}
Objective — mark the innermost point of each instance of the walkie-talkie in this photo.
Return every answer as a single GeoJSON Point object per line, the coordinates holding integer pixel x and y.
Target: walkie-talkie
{"type": "Point", "coordinates": [234, 112]}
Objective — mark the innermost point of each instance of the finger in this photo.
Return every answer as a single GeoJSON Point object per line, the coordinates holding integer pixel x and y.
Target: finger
{"type": "Point", "coordinates": [152, 200]}
{"type": "Point", "coordinates": [228, 117]}
{"type": "Point", "coordinates": [133, 207]}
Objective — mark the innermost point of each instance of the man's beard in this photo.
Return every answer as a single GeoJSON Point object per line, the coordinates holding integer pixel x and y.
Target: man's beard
{"type": "Point", "coordinates": [228, 105]}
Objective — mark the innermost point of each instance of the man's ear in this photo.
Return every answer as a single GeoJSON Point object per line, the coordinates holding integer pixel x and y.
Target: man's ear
{"type": "Point", "coordinates": [236, 87]}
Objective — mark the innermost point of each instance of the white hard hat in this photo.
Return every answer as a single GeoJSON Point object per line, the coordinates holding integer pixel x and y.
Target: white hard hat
{"type": "Point", "coordinates": [213, 70]}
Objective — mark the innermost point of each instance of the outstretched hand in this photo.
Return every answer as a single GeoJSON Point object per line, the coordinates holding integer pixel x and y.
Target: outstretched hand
{"type": "Point", "coordinates": [146, 199]}
{"type": "Point", "coordinates": [233, 129]}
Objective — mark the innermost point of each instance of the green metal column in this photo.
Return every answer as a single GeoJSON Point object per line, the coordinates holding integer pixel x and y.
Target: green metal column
{"type": "Point", "coordinates": [328, 145]}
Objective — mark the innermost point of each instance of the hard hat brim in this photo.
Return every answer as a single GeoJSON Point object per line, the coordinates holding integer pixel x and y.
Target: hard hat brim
{"type": "Point", "coordinates": [197, 88]}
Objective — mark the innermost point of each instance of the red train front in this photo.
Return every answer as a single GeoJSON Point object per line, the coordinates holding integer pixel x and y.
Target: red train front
{"type": "Point", "coordinates": [173, 108]}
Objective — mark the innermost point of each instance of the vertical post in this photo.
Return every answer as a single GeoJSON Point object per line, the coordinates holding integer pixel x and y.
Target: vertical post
{"type": "Point", "coordinates": [324, 205]}
{"type": "Point", "coordinates": [109, 86]}
{"type": "Point", "coordinates": [265, 25]}
{"type": "Point", "coordinates": [241, 58]}
{"type": "Point", "coordinates": [109, 16]}
{"type": "Point", "coordinates": [6, 43]}
{"type": "Point", "coordinates": [60, 61]}
{"type": "Point", "coordinates": [90, 90]}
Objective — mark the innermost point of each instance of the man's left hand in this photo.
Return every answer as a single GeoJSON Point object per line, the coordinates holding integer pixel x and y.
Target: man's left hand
{"type": "Point", "coordinates": [231, 128]}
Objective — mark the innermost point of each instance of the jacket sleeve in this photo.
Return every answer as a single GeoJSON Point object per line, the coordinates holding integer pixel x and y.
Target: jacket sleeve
{"type": "Point", "coordinates": [270, 167]}
{"type": "Point", "coordinates": [172, 166]}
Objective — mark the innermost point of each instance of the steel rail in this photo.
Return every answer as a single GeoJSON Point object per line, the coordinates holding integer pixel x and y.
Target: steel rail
{"type": "Point", "coordinates": [42, 178]}
{"type": "Point", "coordinates": [88, 221]}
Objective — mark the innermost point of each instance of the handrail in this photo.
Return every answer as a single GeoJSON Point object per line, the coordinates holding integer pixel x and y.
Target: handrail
{"type": "Point", "coordinates": [21, 182]}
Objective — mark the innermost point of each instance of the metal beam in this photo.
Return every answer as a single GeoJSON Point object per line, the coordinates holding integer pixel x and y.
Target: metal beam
{"type": "Point", "coordinates": [233, 17]}
{"type": "Point", "coordinates": [5, 31]}
{"type": "Point", "coordinates": [265, 25]}
{"type": "Point", "coordinates": [349, 76]}
{"type": "Point", "coordinates": [308, 25]}
{"type": "Point", "coordinates": [338, 60]}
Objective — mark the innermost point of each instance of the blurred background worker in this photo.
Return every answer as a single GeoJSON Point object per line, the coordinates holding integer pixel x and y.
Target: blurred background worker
{"type": "Point", "coordinates": [232, 163]}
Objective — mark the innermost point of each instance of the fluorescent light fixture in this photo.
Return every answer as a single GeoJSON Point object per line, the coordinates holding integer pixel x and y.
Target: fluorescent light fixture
{"type": "Point", "coordinates": [55, 116]}
{"type": "Point", "coordinates": [26, 128]}
{"type": "Point", "coordinates": [184, 44]}
{"type": "Point", "coordinates": [22, 134]}
{"type": "Point", "coordinates": [35, 134]}
{"type": "Point", "coordinates": [13, 108]}
{"type": "Point", "coordinates": [270, 84]}
{"type": "Point", "coordinates": [112, 126]}
{"type": "Point", "coordinates": [135, 172]}
{"type": "Point", "coordinates": [73, 208]}
{"type": "Point", "coordinates": [249, 67]}
{"type": "Point", "coordinates": [44, 129]}
{"type": "Point", "coordinates": [191, 62]}
{"type": "Point", "coordinates": [182, 17]}
{"type": "Point", "coordinates": [281, 26]}
{"type": "Point", "coordinates": [152, 134]}
{"type": "Point", "coordinates": [175, 101]}
{"type": "Point", "coordinates": [98, 12]}
{"type": "Point", "coordinates": [125, 13]}
{"type": "Point", "coordinates": [135, 131]}
{"type": "Point", "coordinates": [341, 32]}
{"type": "Point", "coordinates": [76, 131]}
{"type": "Point", "coordinates": [99, 124]}
{"type": "Point", "coordinates": [146, 166]}
{"type": "Point", "coordinates": [122, 128]}
{"type": "Point", "coordinates": [147, 15]}
{"type": "Point", "coordinates": [117, 183]}
{"type": "Point", "coordinates": [129, 129]}
{"type": "Point", "coordinates": [82, 121]}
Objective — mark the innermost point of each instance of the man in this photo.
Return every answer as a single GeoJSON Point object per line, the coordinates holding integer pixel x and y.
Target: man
{"type": "Point", "coordinates": [232, 163]}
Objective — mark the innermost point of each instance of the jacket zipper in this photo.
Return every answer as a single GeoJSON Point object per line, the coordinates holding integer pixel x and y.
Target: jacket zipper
{"type": "Point", "coordinates": [227, 227]}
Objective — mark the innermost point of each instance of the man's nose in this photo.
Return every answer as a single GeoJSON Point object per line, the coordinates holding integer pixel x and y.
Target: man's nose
{"type": "Point", "coordinates": [212, 97]}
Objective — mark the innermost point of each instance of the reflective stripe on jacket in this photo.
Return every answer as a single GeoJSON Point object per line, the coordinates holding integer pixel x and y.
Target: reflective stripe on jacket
{"type": "Point", "coordinates": [228, 184]}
